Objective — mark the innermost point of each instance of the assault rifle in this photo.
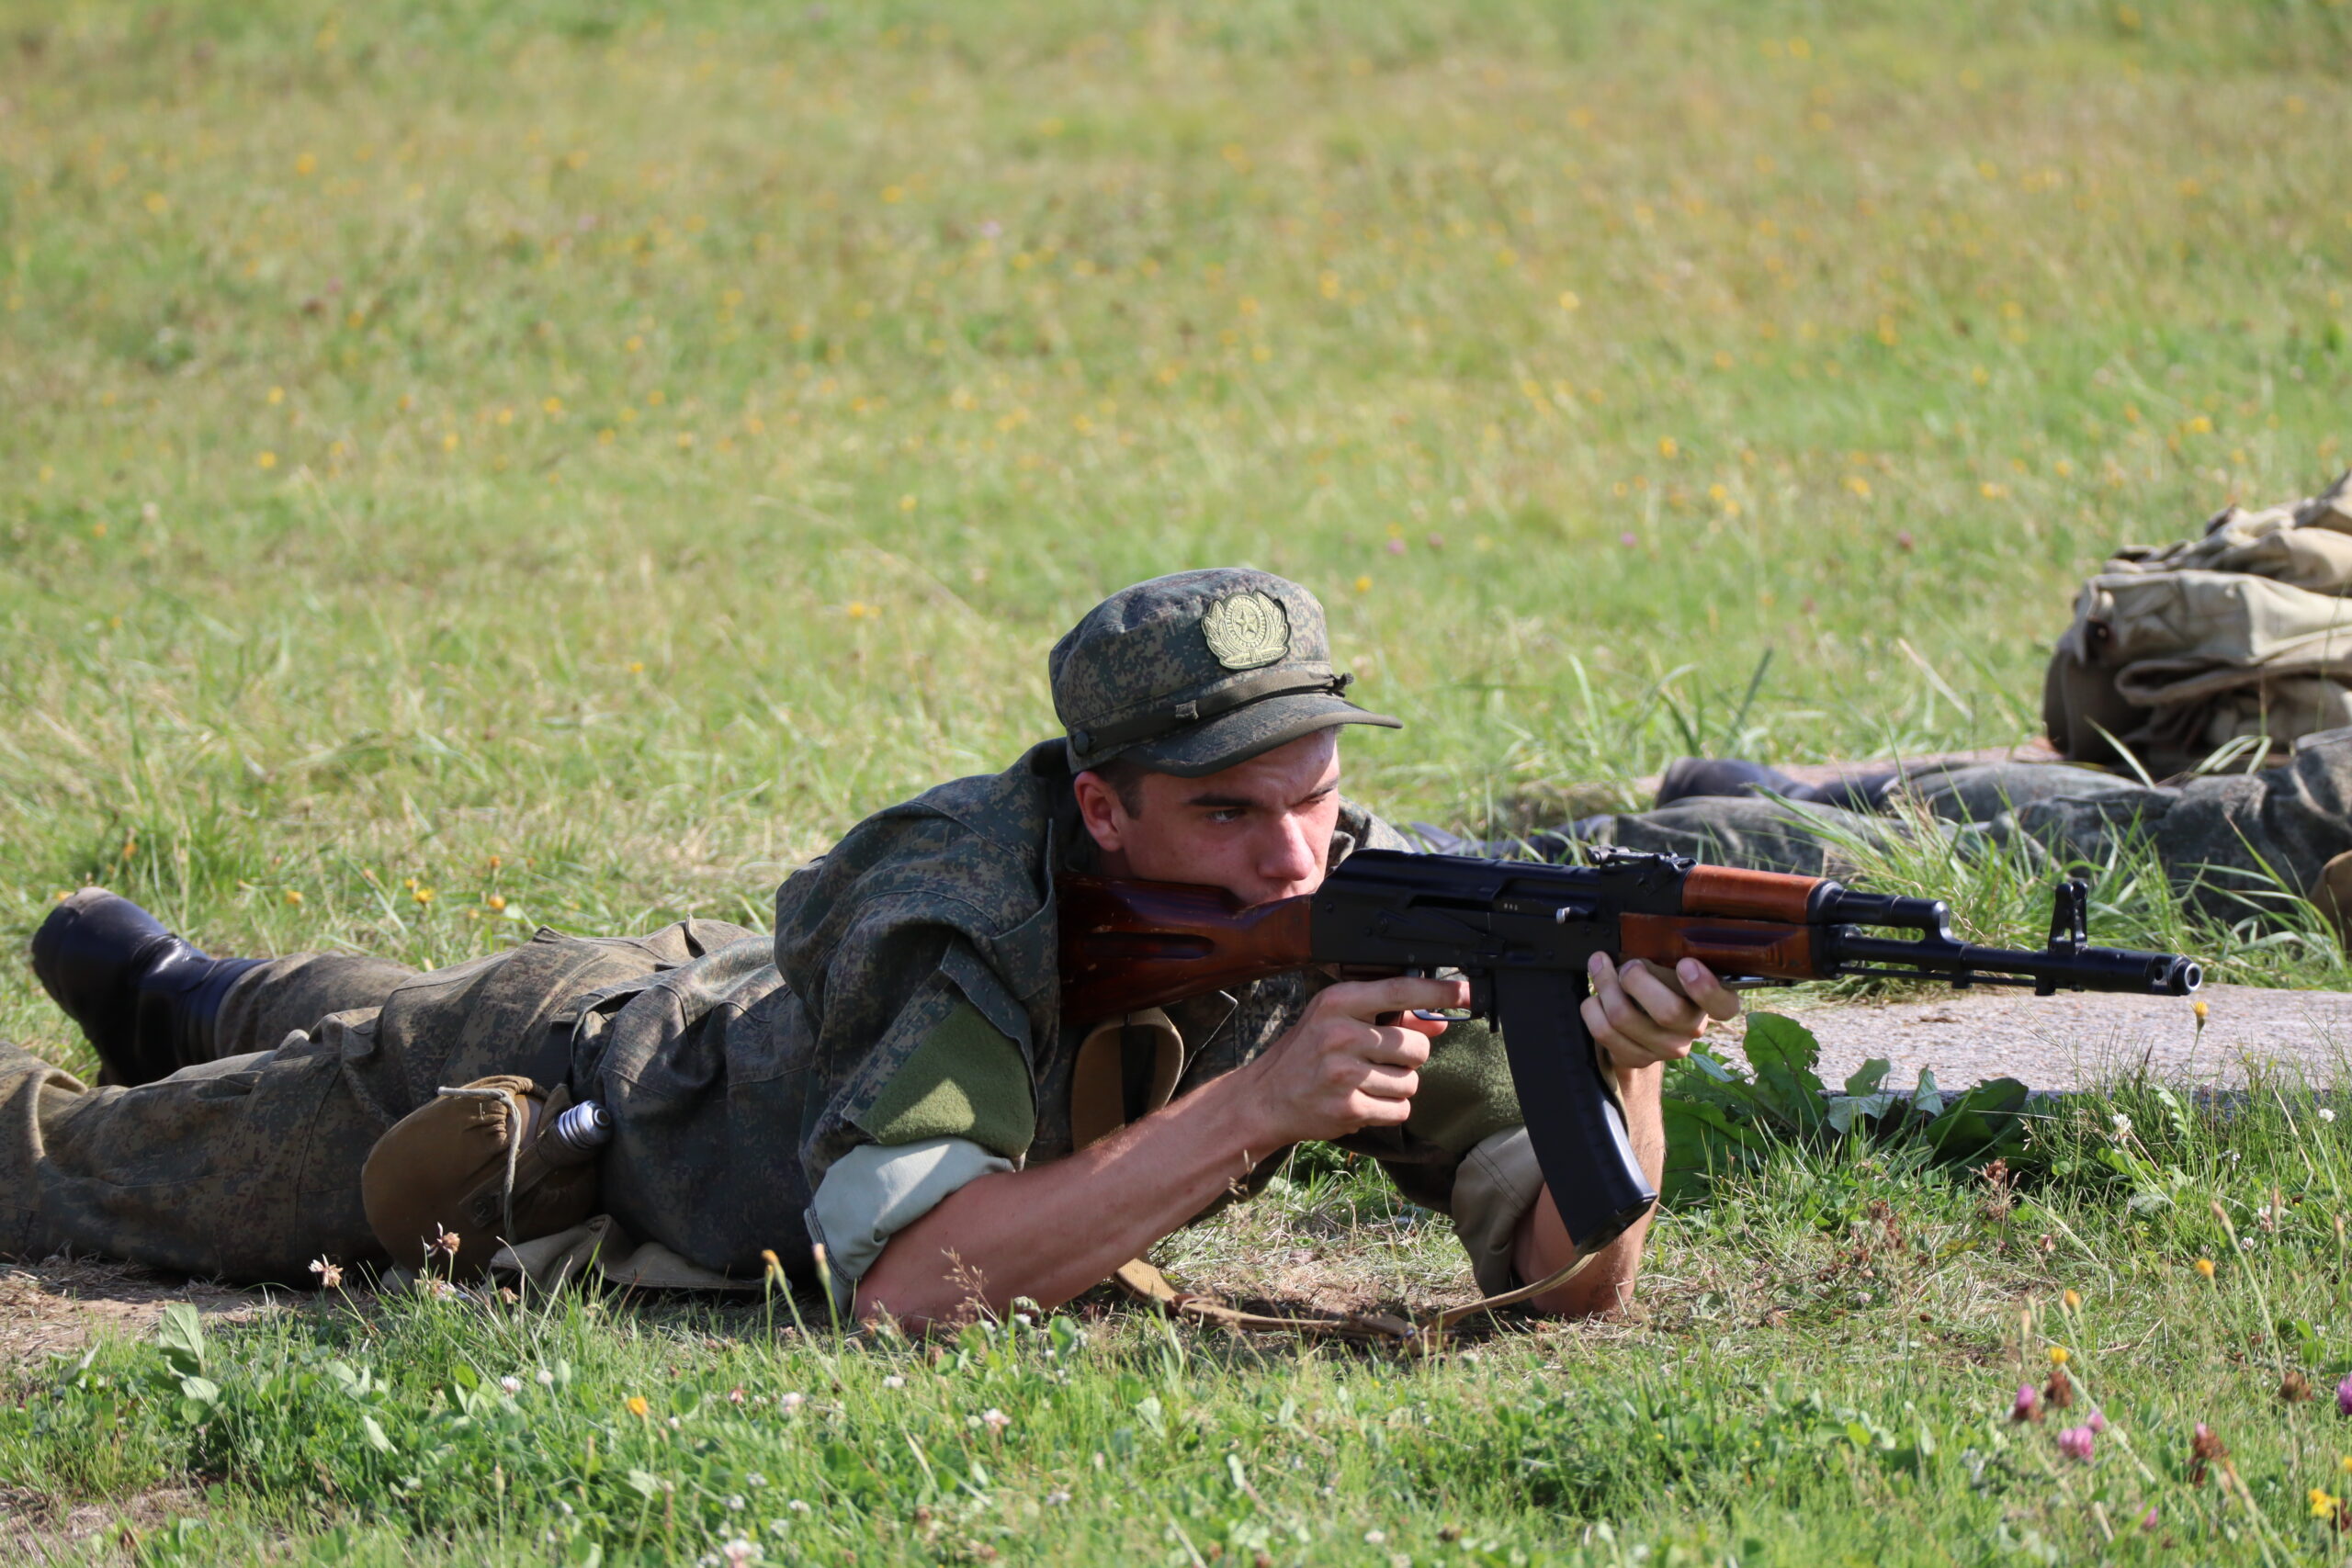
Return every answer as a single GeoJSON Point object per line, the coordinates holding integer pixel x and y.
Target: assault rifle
{"type": "Point", "coordinates": [1522, 932]}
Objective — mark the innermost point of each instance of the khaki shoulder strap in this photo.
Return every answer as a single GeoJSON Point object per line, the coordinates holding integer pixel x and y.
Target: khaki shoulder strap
{"type": "Point", "coordinates": [1098, 1109]}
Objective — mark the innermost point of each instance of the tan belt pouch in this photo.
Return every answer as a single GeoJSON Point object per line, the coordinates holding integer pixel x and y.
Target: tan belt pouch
{"type": "Point", "coordinates": [464, 1166]}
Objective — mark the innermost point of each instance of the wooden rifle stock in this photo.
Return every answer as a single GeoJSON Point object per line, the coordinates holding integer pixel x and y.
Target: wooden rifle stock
{"type": "Point", "coordinates": [1130, 945]}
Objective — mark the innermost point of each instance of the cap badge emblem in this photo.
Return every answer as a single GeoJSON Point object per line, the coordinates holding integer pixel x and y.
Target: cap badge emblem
{"type": "Point", "coordinates": [1247, 631]}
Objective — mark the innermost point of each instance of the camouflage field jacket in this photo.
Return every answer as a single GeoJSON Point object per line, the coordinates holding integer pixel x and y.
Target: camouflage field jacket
{"type": "Point", "coordinates": [911, 994]}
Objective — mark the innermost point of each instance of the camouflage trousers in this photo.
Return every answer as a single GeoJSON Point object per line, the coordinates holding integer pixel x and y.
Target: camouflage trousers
{"type": "Point", "coordinates": [247, 1166]}
{"type": "Point", "coordinates": [2228, 842]}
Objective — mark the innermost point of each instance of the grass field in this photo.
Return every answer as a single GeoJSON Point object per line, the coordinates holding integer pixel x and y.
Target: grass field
{"type": "Point", "coordinates": [466, 467]}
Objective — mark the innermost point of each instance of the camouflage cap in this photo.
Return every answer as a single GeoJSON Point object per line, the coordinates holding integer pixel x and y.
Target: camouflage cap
{"type": "Point", "coordinates": [1199, 671]}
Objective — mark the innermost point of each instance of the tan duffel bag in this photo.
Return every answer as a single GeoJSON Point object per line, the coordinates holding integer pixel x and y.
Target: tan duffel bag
{"type": "Point", "coordinates": [477, 1166]}
{"type": "Point", "coordinates": [2237, 643]}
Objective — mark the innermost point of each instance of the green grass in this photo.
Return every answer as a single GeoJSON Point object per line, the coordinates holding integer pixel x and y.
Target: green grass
{"type": "Point", "coordinates": [1822, 1371]}
{"type": "Point", "coordinates": [570, 459]}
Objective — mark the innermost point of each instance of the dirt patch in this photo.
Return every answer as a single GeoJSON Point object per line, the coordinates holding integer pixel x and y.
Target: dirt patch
{"type": "Point", "coordinates": [34, 1529]}
{"type": "Point", "coordinates": [54, 1308]}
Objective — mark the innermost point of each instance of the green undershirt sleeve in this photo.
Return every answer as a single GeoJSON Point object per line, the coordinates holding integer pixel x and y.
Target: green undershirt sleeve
{"type": "Point", "coordinates": [965, 1079]}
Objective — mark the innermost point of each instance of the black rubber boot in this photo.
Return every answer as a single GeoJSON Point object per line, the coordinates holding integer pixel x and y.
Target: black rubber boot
{"type": "Point", "coordinates": [1700, 777]}
{"type": "Point", "coordinates": [146, 998]}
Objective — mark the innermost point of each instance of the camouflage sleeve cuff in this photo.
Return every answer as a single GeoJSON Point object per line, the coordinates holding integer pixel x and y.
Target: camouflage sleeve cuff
{"type": "Point", "coordinates": [876, 1190]}
{"type": "Point", "coordinates": [1499, 1183]}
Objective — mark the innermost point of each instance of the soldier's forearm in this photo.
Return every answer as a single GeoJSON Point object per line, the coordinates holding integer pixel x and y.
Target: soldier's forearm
{"type": "Point", "coordinates": [1053, 1230]}
{"type": "Point", "coordinates": [1542, 1245]}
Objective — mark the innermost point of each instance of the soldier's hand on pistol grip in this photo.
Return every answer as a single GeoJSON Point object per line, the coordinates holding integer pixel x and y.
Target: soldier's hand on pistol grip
{"type": "Point", "coordinates": [1642, 1015]}
{"type": "Point", "coordinates": [1353, 1059]}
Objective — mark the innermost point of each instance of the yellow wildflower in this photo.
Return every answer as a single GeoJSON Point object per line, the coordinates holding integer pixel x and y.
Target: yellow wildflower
{"type": "Point", "coordinates": [2205, 1267]}
{"type": "Point", "coordinates": [636, 1406]}
{"type": "Point", "coordinates": [2323, 1503]}
{"type": "Point", "coordinates": [2073, 1300]}
{"type": "Point", "coordinates": [2060, 1355]}
{"type": "Point", "coordinates": [267, 460]}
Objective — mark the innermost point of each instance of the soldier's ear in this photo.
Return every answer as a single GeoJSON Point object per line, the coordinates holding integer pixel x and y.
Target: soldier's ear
{"type": "Point", "coordinates": [1100, 808]}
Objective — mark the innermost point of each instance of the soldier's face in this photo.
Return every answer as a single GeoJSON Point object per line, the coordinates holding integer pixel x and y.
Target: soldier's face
{"type": "Point", "coordinates": [1259, 829]}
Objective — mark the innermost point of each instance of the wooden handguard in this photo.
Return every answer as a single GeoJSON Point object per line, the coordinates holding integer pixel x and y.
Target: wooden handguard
{"type": "Point", "coordinates": [1727, 947]}
{"type": "Point", "coordinates": [1734, 893]}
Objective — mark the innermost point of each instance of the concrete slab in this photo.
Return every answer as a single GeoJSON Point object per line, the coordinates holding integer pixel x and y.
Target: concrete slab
{"type": "Point", "coordinates": [2070, 1040]}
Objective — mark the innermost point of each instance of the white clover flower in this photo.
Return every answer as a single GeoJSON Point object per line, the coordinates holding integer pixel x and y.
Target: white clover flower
{"type": "Point", "coordinates": [735, 1502]}
{"type": "Point", "coordinates": [738, 1551]}
{"type": "Point", "coordinates": [1373, 1538]}
{"type": "Point", "coordinates": [1056, 1497]}
{"type": "Point", "coordinates": [798, 1506]}
{"type": "Point", "coordinates": [546, 1378]}
{"type": "Point", "coordinates": [755, 1481]}
{"type": "Point", "coordinates": [788, 1402]}
{"type": "Point", "coordinates": [511, 1384]}
{"type": "Point", "coordinates": [995, 1420]}
{"type": "Point", "coordinates": [2122, 1124]}
{"type": "Point", "coordinates": [894, 1381]}
{"type": "Point", "coordinates": [2325, 1114]}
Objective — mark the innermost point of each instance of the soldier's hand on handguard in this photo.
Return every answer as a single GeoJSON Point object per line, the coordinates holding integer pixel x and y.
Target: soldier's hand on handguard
{"type": "Point", "coordinates": [1353, 1059]}
{"type": "Point", "coordinates": [1642, 1015]}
